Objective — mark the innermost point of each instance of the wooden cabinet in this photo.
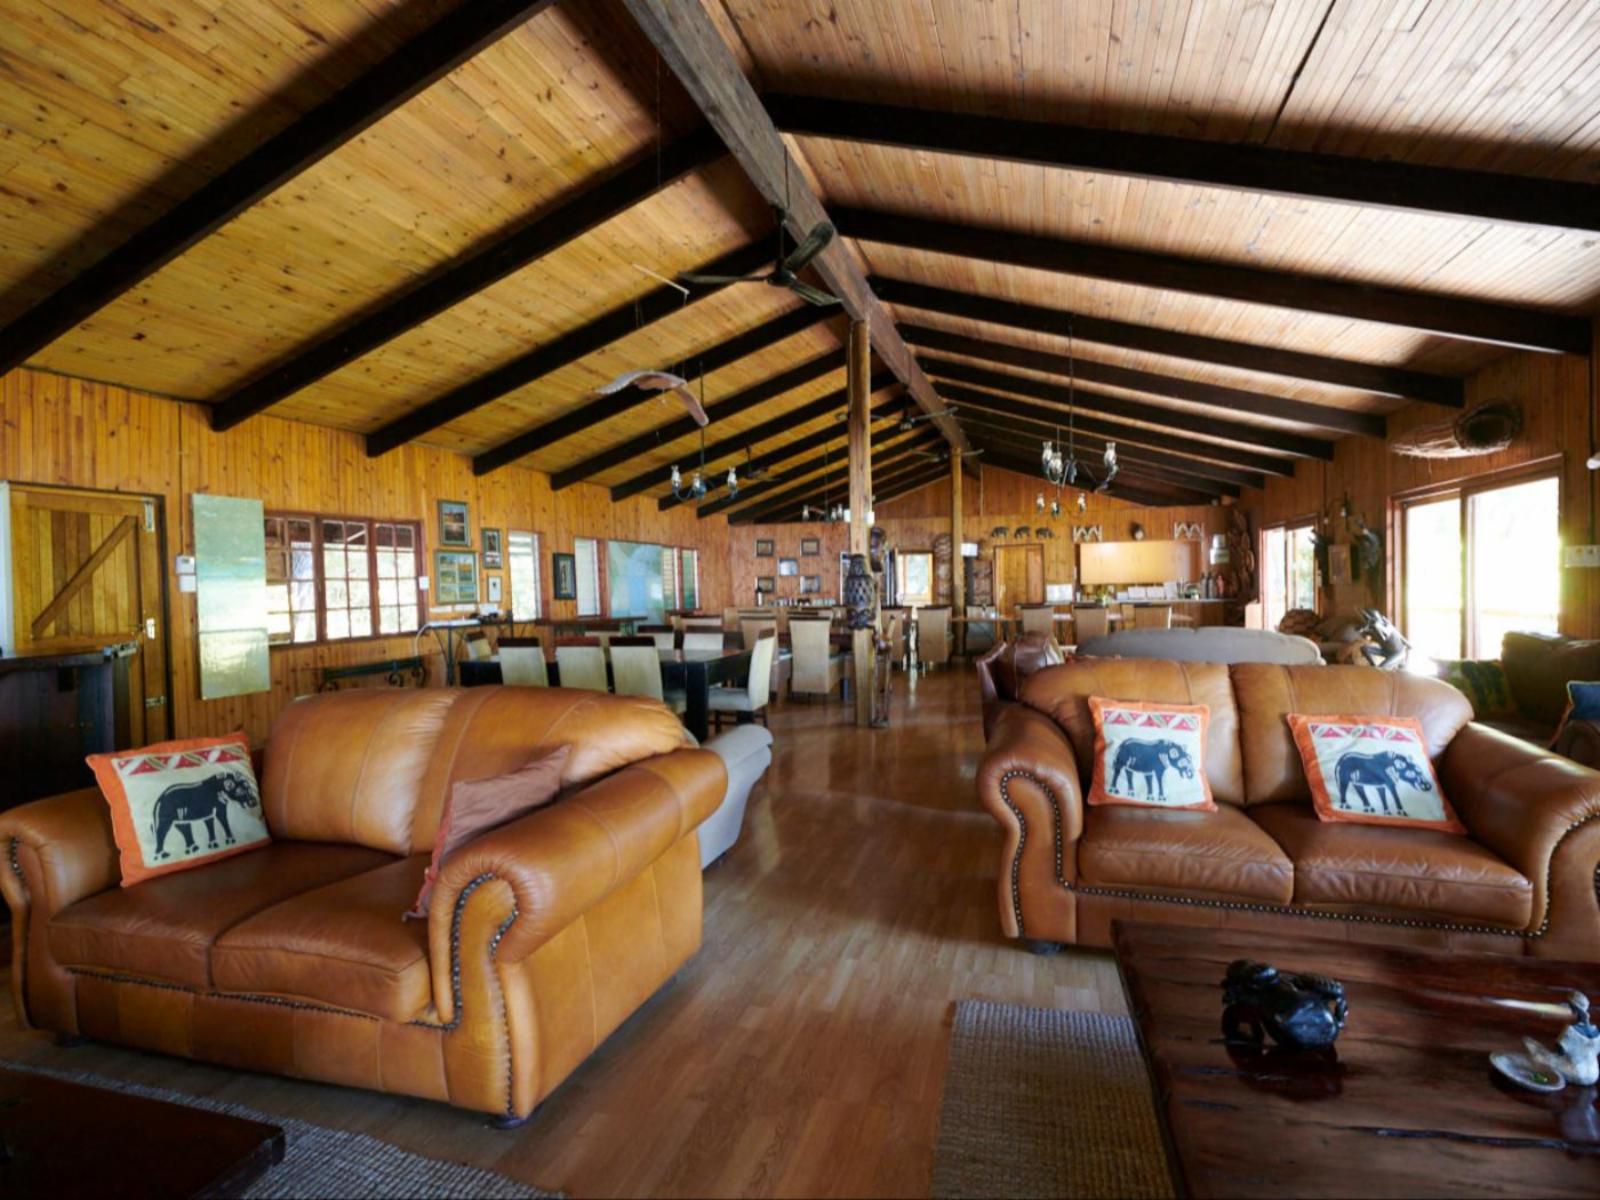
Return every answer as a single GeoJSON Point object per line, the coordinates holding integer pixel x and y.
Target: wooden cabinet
{"type": "Point", "coordinates": [1115, 563]}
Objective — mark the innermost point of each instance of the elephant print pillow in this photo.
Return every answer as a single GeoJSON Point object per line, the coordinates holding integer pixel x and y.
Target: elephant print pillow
{"type": "Point", "coordinates": [179, 804]}
{"type": "Point", "coordinates": [1150, 754]}
{"type": "Point", "coordinates": [1372, 770]}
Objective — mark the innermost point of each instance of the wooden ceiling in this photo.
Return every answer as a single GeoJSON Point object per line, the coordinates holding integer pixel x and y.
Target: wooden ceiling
{"type": "Point", "coordinates": [1224, 233]}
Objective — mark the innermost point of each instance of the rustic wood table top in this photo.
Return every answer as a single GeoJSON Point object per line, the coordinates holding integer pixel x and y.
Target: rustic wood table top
{"type": "Point", "coordinates": [1409, 1105]}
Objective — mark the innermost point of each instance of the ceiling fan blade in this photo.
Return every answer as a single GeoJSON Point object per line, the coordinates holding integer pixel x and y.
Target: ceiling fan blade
{"type": "Point", "coordinates": [813, 295]}
{"type": "Point", "coordinates": [815, 242]}
{"type": "Point", "coordinates": [719, 279]}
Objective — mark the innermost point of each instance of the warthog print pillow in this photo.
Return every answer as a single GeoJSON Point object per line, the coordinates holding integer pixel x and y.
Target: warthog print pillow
{"type": "Point", "coordinates": [1151, 755]}
{"type": "Point", "coordinates": [179, 804]}
{"type": "Point", "coordinates": [1372, 770]}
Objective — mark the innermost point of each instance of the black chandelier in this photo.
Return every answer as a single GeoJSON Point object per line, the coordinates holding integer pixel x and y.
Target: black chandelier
{"type": "Point", "coordinates": [696, 490]}
{"type": "Point", "coordinates": [1065, 469]}
{"type": "Point", "coordinates": [829, 514]}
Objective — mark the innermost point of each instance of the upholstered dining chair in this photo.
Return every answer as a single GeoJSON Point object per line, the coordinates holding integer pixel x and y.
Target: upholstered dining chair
{"type": "Point", "coordinates": [583, 664]}
{"type": "Point", "coordinates": [691, 624]}
{"type": "Point", "coordinates": [1152, 616]}
{"type": "Point", "coordinates": [817, 670]}
{"type": "Point", "coordinates": [522, 662]}
{"type": "Point", "coordinates": [664, 636]}
{"type": "Point", "coordinates": [1039, 618]}
{"type": "Point", "coordinates": [1089, 621]}
{"type": "Point", "coordinates": [751, 628]}
{"type": "Point", "coordinates": [701, 640]}
{"type": "Point", "coordinates": [752, 698]}
{"type": "Point", "coordinates": [477, 647]}
{"type": "Point", "coordinates": [933, 636]}
{"type": "Point", "coordinates": [636, 671]}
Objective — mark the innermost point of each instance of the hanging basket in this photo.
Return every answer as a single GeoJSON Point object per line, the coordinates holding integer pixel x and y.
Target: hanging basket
{"type": "Point", "coordinates": [1483, 429]}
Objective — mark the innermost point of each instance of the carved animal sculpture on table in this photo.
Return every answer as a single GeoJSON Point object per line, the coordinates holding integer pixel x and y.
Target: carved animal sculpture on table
{"type": "Point", "coordinates": [1300, 1011]}
{"type": "Point", "coordinates": [1152, 760]}
{"type": "Point", "coordinates": [1382, 773]}
{"type": "Point", "coordinates": [205, 800]}
{"type": "Point", "coordinates": [1389, 649]}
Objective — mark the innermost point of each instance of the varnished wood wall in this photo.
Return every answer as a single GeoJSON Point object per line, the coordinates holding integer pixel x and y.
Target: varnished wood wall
{"type": "Point", "coordinates": [1555, 394]}
{"type": "Point", "coordinates": [55, 430]}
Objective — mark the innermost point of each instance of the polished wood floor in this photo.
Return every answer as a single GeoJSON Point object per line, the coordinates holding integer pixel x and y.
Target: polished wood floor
{"type": "Point", "coordinates": [801, 1052]}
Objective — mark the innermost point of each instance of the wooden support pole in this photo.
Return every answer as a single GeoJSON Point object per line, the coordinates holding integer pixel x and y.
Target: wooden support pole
{"type": "Point", "coordinates": [958, 565]}
{"type": "Point", "coordinates": [859, 368]}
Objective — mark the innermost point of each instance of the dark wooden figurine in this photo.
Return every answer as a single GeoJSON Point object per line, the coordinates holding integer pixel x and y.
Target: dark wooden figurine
{"type": "Point", "coordinates": [1298, 1011]}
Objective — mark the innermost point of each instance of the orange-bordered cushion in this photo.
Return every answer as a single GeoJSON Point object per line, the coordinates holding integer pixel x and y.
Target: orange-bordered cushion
{"type": "Point", "coordinates": [176, 805]}
{"type": "Point", "coordinates": [1373, 771]}
{"type": "Point", "coordinates": [1151, 755]}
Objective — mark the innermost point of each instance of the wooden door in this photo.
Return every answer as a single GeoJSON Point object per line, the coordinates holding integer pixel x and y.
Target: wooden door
{"type": "Point", "coordinates": [86, 573]}
{"type": "Point", "coordinates": [1018, 577]}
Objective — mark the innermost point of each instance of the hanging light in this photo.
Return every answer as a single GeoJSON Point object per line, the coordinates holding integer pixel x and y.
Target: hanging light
{"type": "Point", "coordinates": [1083, 502]}
{"type": "Point", "coordinates": [1065, 468]}
{"type": "Point", "coordinates": [697, 483]}
{"type": "Point", "coordinates": [733, 483]}
{"type": "Point", "coordinates": [1038, 502]}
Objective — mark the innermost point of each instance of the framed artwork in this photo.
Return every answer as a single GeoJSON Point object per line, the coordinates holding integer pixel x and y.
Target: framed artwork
{"type": "Point", "coordinates": [811, 585]}
{"type": "Point", "coordinates": [1339, 569]}
{"type": "Point", "coordinates": [492, 560]}
{"type": "Point", "coordinates": [788, 566]}
{"type": "Point", "coordinates": [766, 583]}
{"type": "Point", "coordinates": [810, 547]}
{"type": "Point", "coordinates": [453, 527]}
{"type": "Point", "coordinates": [765, 548]}
{"type": "Point", "coordinates": [455, 577]}
{"type": "Point", "coordinates": [494, 591]}
{"type": "Point", "coordinates": [564, 576]}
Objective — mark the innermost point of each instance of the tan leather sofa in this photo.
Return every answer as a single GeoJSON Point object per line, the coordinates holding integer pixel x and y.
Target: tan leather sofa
{"type": "Point", "coordinates": [542, 936]}
{"type": "Point", "coordinates": [1522, 882]}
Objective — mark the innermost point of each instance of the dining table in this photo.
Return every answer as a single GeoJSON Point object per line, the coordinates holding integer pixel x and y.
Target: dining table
{"type": "Point", "coordinates": [694, 672]}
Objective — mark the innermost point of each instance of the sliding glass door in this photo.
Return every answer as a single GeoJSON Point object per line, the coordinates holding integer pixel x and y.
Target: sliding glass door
{"type": "Point", "coordinates": [1288, 569]}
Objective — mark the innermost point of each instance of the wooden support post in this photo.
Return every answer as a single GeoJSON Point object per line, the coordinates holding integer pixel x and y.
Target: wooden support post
{"type": "Point", "coordinates": [958, 565]}
{"type": "Point", "coordinates": [859, 368]}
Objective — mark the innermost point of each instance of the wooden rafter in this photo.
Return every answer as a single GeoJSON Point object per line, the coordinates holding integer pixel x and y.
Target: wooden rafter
{"type": "Point", "coordinates": [1103, 405]}
{"type": "Point", "coordinates": [416, 65]}
{"type": "Point", "coordinates": [693, 49]}
{"type": "Point", "coordinates": [895, 467]}
{"type": "Point", "coordinates": [1132, 461]}
{"type": "Point", "coordinates": [1213, 395]}
{"type": "Point", "coordinates": [1399, 382]}
{"type": "Point", "coordinates": [1129, 484]}
{"type": "Point", "coordinates": [763, 491]}
{"type": "Point", "coordinates": [1443, 191]}
{"type": "Point", "coordinates": [464, 277]}
{"type": "Point", "coordinates": [1430, 312]}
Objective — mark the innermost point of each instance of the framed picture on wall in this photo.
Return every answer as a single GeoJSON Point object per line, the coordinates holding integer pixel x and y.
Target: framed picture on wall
{"type": "Point", "coordinates": [765, 548]}
{"type": "Point", "coordinates": [495, 593]}
{"type": "Point", "coordinates": [492, 560]}
{"type": "Point", "coordinates": [810, 547]}
{"type": "Point", "coordinates": [811, 585]}
{"type": "Point", "coordinates": [455, 577]}
{"type": "Point", "coordinates": [766, 583]}
{"type": "Point", "coordinates": [788, 566]}
{"type": "Point", "coordinates": [454, 529]}
{"type": "Point", "coordinates": [564, 576]}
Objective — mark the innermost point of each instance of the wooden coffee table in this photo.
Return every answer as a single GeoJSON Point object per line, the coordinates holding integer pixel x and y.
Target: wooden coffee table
{"type": "Point", "coordinates": [1410, 1107]}
{"type": "Point", "coordinates": [67, 1139]}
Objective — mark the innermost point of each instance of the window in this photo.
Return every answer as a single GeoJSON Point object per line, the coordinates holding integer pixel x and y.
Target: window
{"type": "Point", "coordinates": [334, 578]}
{"type": "Point", "coordinates": [1288, 570]}
{"type": "Point", "coordinates": [1480, 561]}
{"type": "Point", "coordinates": [915, 568]}
{"type": "Point", "coordinates": [586, 552]}
{"type": "Point", "coordinates": [669, 578]}
{"type": "Point", "coordinates": [522, 564]}
{"type": "Point", "coordinates": [689, 578]}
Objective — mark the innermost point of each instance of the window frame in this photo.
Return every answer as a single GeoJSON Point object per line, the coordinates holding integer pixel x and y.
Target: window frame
{"type": "Point", "coordinates": [538, 574]}
{"type": "Point", "coordinates": [1289, 526]}
{"type": "Point", "coordinates": [602, 601]}
{"type": "Point", "coordinates": [683, 603]}
{"type": "Point", "coordinates": [319, 578]}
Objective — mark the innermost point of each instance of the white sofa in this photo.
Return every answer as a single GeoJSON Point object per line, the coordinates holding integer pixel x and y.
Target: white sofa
{"type": "Point", "coordinates": [1206, 643]}
{"type": "Point", "coordinates": [746, 750]}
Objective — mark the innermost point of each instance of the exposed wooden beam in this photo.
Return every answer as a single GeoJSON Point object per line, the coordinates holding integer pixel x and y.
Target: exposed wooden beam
{"type": "Point", "coordinates": [894, 474]}
{"type": "Point", "coordinates": [693, 49]}
{"type": "Point", "coordinates": [1196, 391]}
{"type": "Point", "coordinates": [1429, 312]}
{"type": "Point", "coordinates": [617, 323]}
{"type": "Point", "coordinates": [1100, 404]}
{"type": "Point", "coordinates": [466, 276]}
{"type": "Point", "coordinates": [412, 68]}
{"type": "Point", "coordinates": [1016, 406]}
{"type": "Point", "coordinates": [835, 476]}
{"type": "Point", "coordinates": [762, 489]}
{"type": "Point", "coordinates": [603, 408]}
{"type": "Point", "coordinates": [1370, 377]}
{"type": "Point", "coordinates": [860, 425]}
{"type": "Point", "coordinates": [1445, 191]}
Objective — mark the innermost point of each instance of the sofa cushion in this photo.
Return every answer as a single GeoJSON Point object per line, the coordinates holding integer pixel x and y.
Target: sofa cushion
{"type": "Point", "coordinates": [164, 929]}
{"type": "Point", "coordinates": [1538, 666]}
{"type": "Point", "coordinates": [1396, 872]}
{"type": "Point", "coordinates": [1219, 853]}
{"type": "Point", "coordinates": [343, 945]}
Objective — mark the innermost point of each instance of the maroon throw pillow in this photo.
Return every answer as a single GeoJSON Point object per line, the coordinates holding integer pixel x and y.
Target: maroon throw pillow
{"type": "Point", "coordinates": [475, 806]}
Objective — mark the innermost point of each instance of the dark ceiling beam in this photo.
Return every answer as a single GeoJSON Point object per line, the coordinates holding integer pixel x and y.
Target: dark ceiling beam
{"type": "Point", "coordinates": [814, 492]}
{"type": "Point", "coordinates": [466, 276]}
{"type": "Point", "coordinates": [836, 474]}
{"type": "Point", "coordinates": [413, 67]}
{"type": "Point", "coordinates": [1399, 382]}
{"type": "Point", "coordinates": [604, 408]}
{"type": "Point", "coordinates": [742, 401]}
{"type": "Point", "coordinates": [1196, 391]}
{"type": "Point", "coordinates": [1132, 458]}
{"type": "Point", "coordinates": [1442, 191]}
{"type": "Point", "coordinates": [751, 490]}
{"type": "Point", "coordinates": [1101, 405]}
{"type": "Point", "coordinates": [1150, 489]}
{"type": "Point", "coordinates": [567, 348]}
{"type": "Point", "coordinates": [1428, 312]}
{"type": "Point", "coordinates": [689, 42]}
{"type": "Point", "coordinates": [1017, 406]}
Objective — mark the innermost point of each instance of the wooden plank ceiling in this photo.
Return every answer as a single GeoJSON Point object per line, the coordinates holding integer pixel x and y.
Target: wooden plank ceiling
{"type": "Point", "coordinates": [416, 220]}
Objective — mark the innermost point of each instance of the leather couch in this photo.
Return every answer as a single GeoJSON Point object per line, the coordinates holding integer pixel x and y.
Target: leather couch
{"type": "Point", "coordinates": [1004, 666]}
{"type": "Point", "coordinates": [1538, 667]}
{"type": "Point", "coordinates": [1522, 882]}
{"type": "Point", "coordinates": [542, 936]}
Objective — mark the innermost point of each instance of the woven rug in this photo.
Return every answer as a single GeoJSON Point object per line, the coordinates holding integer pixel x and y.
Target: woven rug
{"type": "Point", "coordinates": [1041, 1102]}
{"type": "Point", "coordinates": [319, 1162]}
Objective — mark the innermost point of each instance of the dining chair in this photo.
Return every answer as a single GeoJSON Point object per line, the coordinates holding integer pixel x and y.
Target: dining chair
{"type": "Point", "coordinates": [476, 646]}
{"type": "Point", "coordinates": [933, 636]}
{"type": "Point", "coordinates": [895, 635]}
{"type": "Point", "coordinates": [1152, 616]}
{"type": "Point", "coordinates": [583, 664]}
{"type": "Point", "coordinates": [636, 671]}
{"type": "Point", "coordinates": [1089, 621]}
{"type": "Point", "coordinates": [1039, 618]}
{"type": "Point", "coordinates": [664, 636]}
{"type": "Point", "coordinates": [752, 698]}
{"type": "Point", "coordinates": [702, 640]}
{"type": "Point", "coordinates": [750, 628]}
{"type": "Point", "coordinates": [522, 662]}
{"type": "Point", "coordinates": [702, 623]}
{"type": "Point", "coordinates": [816, 670]}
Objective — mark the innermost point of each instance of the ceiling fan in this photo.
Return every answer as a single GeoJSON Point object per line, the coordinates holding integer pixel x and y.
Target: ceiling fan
{"type": "Point", "coordinates": [785, 273]}
{"type": "Point", "coordinates": [940, 456]}
{"type": "Point", "coordinates": [909, 422]}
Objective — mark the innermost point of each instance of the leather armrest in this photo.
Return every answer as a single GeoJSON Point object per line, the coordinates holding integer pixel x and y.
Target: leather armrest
{"type": "Point", "coordinates": [1579, 741]}
{"type": "Point", "coordinates": [1028, 781]}
{"type": "Point", "coordinates": [64, 848]}
{"type": "Point", "coordinates": [1519, 801]}
{"type": "Point", "coordinates": [564, 859]}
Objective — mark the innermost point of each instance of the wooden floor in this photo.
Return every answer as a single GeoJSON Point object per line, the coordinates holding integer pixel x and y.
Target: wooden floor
{"type": "Point", "coordinates": [800, 1053]}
